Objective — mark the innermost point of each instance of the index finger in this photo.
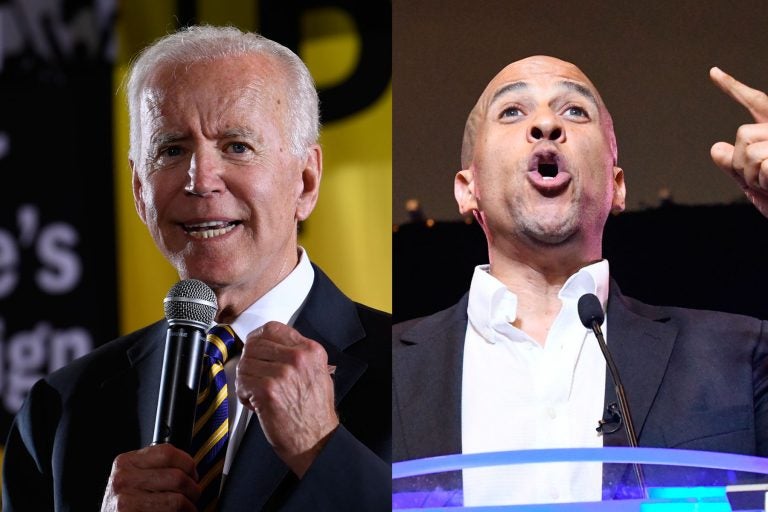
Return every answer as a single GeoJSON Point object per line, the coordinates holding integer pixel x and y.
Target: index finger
{"type": "Point", "coordinates": [756, 102]}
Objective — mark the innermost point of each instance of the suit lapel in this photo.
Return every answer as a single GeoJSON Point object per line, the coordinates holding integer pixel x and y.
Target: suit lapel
{"type": "Point", "coordinates": [331, 319]}
{"type": "Point", "coordinates": [640, 339]}
{"type": "Point", "coordinates": [141, 378]}
{"type": "Point", "coordinates": [428, 389]}
{"type": "Point", "coordinates": [148, 363]}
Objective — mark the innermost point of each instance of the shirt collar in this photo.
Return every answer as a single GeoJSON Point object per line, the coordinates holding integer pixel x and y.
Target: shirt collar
{"type": "Point", "coordinates": [590, 279]}
{"type": "Point", "coordinates": [282, 303]}
{"type": "Point", "coordinates": [492, 307]}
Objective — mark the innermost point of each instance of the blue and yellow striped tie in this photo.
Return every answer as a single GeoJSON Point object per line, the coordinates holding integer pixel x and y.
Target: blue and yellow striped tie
{"type": "Point", "coordinates": [211, 430]}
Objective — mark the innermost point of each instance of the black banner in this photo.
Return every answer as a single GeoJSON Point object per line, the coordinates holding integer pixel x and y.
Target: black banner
{"type": "Point", "coordinates": [57, 234]}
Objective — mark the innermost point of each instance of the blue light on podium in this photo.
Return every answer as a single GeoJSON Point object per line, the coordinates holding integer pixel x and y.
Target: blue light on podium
{"type": "Point", "coordinates": [625, 455]}
{"type": "Point", "coordinates": [684, 499]}
{"type": "Point", "coordinates": [701, 493]}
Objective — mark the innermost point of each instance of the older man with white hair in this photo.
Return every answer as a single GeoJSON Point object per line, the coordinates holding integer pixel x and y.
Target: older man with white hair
{"type": "Point", "coordinates": [225, 161]}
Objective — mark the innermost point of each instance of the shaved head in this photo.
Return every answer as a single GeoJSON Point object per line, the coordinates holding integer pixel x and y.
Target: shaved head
{"type": "Point", "coordinates": [513, 76]}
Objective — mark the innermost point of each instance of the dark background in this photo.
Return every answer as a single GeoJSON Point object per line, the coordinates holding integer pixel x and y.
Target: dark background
{"type": "Point", "coordinates": [707, 257]}
{"type": "Point", "coordinates": [650, 61]}
{"type": "Point", "coordinates": [57, 247]}
{"type": "Point", "coordinates": [701, 247]}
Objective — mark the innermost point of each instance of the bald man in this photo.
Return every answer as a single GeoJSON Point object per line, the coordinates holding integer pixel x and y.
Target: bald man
{"type": "Point", "coordinates": [511, 366]}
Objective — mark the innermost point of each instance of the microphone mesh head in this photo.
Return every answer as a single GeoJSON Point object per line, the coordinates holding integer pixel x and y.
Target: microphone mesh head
{"type": "Point", "coordinates": [590, 310]}
{"type": "Point", "coordinates": [190, 301]}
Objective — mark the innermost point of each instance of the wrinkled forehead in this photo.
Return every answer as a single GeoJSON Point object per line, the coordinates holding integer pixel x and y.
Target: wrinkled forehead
{"type": "Point", "coordinates": [214, 88]}
{"type": "Point", "coordinates": [213, 77]}
{"type": "Point", "coordinates": [540, 71]}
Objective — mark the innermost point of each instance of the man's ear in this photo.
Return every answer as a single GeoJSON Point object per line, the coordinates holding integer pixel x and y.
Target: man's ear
{"type": "Point", "coordinates": [465, 191]}
{"type": "Point", "coordinates": [309, 189]}
{"type": "Point", "coordinates": [138, 200]}
{"type": "Point", "coordinates": [619, 191]}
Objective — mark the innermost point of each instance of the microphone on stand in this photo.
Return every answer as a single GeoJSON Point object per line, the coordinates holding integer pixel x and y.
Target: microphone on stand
{"type": "Point", "coordinates": [592, 316]}
{"type": "Point", "coordinates": [190, 308]}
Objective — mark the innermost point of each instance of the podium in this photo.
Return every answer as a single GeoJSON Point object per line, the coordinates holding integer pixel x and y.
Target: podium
{"type": "Point", "coordinates": [675, 480]}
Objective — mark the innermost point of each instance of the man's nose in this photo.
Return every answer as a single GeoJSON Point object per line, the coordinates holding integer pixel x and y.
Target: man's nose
{"type": "Point", "coordinates": [205, 174]}
{"type": "Point", "coordinates": [546, 126]}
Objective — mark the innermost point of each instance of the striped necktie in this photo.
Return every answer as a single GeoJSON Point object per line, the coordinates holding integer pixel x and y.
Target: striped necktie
{"type": "Point", "coordinates": [211, 430]}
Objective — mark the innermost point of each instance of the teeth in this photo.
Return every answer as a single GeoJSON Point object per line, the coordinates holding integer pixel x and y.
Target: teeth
{"type": "Point", "coordinates": [548, 178]}
{"type": "Point", "coordinates": [199, 231]}
{"type": "Point", "coordinates": [210, 233]}
{"type": "Point", "coordinates": [205, 224]}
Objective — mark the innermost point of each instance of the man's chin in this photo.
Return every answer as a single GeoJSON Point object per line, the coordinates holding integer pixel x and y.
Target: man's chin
{"type": "Point", "coordinates": [209, 274]}
{"type": "Point", "coordinates": [551, 235]}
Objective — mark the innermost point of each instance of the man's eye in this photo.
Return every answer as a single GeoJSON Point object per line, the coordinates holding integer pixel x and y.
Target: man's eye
{"type": "Point", "coordinates": [237, 147]}
{"type": "Point", "coordinates": [511, 112]}
{"type": "Point", "coordinates": [576, 111]}
{"type": "Point", "coordinates": [171, 151]}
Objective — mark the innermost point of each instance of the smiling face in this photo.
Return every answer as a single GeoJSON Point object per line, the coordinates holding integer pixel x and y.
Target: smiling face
{"type": "Point", "coordinates": [216, 182]}
{"type": "Point", "coordinates": [540, 165]}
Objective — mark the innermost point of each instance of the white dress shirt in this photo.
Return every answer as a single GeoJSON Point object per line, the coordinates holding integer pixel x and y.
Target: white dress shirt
{"type": "Point", "coordinates": [282, 303]}
{"type": "Point", "coordinates": [518, 394]}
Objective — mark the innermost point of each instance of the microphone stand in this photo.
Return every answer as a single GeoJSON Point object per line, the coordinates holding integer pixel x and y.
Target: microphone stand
{"type": "Point", "coordinates": [623, 403]}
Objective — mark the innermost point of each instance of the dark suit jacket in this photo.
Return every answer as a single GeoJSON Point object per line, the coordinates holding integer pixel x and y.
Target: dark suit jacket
{"type": "Point", "coordinates": [694, 380]}
{"type": "Point", "coordinates": [75, 421]}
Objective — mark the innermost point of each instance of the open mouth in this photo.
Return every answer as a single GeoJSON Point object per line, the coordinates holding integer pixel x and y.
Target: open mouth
{"type": "Point", "coordinates": [210, 229]}
{"type": "Point", "coordinates": [548, 171]}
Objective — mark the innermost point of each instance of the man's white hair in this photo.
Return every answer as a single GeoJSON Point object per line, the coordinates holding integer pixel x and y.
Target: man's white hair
{"type": "Point", "coordinates": [203, 43]}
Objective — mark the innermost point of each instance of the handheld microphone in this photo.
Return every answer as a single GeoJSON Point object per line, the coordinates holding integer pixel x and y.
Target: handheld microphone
{"type": "Point", "coordinates": [190, 307]}
{"type": "Point", "coordinates": [592, 316]}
